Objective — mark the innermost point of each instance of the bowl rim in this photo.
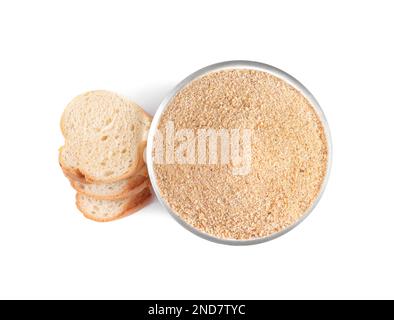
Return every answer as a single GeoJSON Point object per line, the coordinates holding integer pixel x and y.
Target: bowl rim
{"type": "Point", "coordinates": [236, 64]}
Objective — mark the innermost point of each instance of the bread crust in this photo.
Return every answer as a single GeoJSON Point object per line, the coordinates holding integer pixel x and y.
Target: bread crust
{"type": "Point", "coordinates": [134, 185]}
{"type": "Point", "coordinates": [139, 205]}
{"type": "Point", "coordinates": [78, 175]}
{"type": "Point", "coordinates": [136, 203]}
{"type": "Point", "coordinates": [143, 171]}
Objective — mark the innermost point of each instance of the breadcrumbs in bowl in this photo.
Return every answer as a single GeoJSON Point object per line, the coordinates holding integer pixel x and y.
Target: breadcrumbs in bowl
{"type": "Point", "coordinates": [288, 148]}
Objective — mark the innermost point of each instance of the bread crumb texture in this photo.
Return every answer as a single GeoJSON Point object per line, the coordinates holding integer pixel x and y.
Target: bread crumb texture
{"type": "Point", "coordinates": [104, 135]}
{"type": "Point", "coordinates": [108, 210]}
{"type": "Point", "coordinates": [289, 156]}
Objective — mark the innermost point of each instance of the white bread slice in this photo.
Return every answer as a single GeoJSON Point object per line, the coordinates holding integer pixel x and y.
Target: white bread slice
{"type": "Point", "coordinates": [75, 175]}
{"type": "Point", "coordinates": [108, 210]}
{"type": "Point", "coordinates": [105, 135]}
{"type": "Point", "coordinates": [112, 191]}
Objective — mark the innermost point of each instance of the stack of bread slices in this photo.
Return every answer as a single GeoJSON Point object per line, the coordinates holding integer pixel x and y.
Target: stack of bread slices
{"type": "Point", "coordinates": [105, 137]}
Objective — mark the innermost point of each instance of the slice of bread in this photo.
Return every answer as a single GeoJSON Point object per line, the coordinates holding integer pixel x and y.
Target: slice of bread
{"type": "Point", "coordinates": [143, 171]}
{"type": "Point", "coordinates": [76, 175]}
{"type": "Point", "coordinates": [108, 210]}
{"type": "Point", "coordinates": [105, 136]}
{"type": "Point", "coordinates": [112, 191]}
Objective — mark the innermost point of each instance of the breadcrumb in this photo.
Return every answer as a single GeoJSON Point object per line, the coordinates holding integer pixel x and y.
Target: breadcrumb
{"type": "Point", "coordinates": [289, 155]}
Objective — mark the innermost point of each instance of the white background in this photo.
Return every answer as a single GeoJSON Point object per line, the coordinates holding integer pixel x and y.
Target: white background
{"type": "Point", "coordinates": [50, 51]}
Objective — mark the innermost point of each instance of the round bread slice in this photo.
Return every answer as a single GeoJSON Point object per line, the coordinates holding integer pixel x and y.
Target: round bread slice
{"type": "Point", "coordinates": [108, 210]}
{"type": "Point", "coordinates": [77, 176]}
{"type": "Point", "coordinates": [112, 191]}
{"type": "Point", "coordinates": [105, 135]}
